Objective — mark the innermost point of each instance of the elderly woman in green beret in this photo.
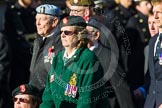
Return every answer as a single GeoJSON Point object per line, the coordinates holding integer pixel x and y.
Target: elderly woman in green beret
{"type": "Point", "coordinates": [75, 79]}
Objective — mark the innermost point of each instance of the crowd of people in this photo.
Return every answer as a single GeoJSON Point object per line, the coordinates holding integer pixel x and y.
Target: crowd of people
{"type": "Point", "coordinates": [82, 54]}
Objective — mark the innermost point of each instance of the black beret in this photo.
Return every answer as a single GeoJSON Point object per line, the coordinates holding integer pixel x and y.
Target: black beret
{"type": "Point", "coordinates": [94, 23]}
{"type": "Point", "coordinates": [73, 21]}
{"type": "Point", "coordinates": [26, 89]}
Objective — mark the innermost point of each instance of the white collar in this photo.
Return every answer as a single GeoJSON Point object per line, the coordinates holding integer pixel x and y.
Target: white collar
{"type": "Point", "coordinates": [49, 35]}
{"type": "Point", "coordinates": [95, 45]}
{"type": "Point", "coordinates": [156, 42]}
{"type": "Point", "coordinates": [65, 56]}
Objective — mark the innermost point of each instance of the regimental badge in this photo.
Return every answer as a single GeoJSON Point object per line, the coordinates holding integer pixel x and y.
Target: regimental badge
{"type": "Point", "coordinates": [73, 79]}
{"type": "Point", "coordinates": [76, 1]}
{"type": "Point", "coordinates": [22, 88]}
{"type": "Point", "coordinates": [71, 88]}
{"type": "Point", "coordinates": [52, 78]}
{"type": "Point", "coordinates": [51, 54]}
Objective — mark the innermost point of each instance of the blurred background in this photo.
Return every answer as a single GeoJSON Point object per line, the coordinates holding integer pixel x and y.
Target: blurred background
{"type": "Point", "coordinates": [3, 3]}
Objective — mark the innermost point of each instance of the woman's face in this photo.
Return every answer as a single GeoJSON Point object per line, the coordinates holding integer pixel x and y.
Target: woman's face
{"type": "Point", "coordinates": [23, 101]}
{"type": "Point", "coordinates": [69, 37]}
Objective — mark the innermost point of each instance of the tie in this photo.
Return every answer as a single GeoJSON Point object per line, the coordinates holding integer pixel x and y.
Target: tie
{"type": "Point", "coordinates": [158, 47]}
{"type": "Point", "coordinates": [42, 43]}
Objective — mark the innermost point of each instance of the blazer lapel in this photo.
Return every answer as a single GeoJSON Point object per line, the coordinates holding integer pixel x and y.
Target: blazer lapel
{"type": "Point", "coordinates": [151, 54]}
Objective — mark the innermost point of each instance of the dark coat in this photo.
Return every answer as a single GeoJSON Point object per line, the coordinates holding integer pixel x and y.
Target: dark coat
{"type": "Point", "coordinates": [138, 33]}
{"type": "Point", "coordinates": [114, 71]}
{"type": "Point", "coordinates": [5, 62]}
{"type": "Point", "coordinates": [119, 92]}
{"type": "Point", "coordinates": [42, 58]}
{"type": "Point", "coordinates": [154, 97]}
{"type": "Point", "coordinates": [116, 21]}
{"type": "Point", "coordinates": [19, 21]}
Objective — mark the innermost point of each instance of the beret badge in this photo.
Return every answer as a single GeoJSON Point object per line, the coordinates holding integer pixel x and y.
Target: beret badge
{"type": "Point", "coordinates": [22, 88]}
{"type": "Point", "coordinates": [76, 1]}
{"type": "Point", "coordinates": [42, 9]}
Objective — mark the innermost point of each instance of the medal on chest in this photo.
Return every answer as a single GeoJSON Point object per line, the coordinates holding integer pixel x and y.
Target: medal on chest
{"type": "Point", "coordinates": [160, 59]}
{"type": "Point", "coordinates": [50, 55]}
{"type": "Point", "coordinates": [71, 88]}
{"type": "Point", "coordinates": [52, 78]}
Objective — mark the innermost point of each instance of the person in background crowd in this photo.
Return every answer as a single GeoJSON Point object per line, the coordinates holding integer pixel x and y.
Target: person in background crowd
{"type": "Point", "coordinates": [76, 72]}
{"type": "Point", "coordinates": [138, 33]}
{"type": "Point", "coordinates": [26, 96]}
{"type": "Point", "coordinates": [19, 21]}
{"type": "Point", "coordinates": [82, 8]}
{"type": "Point", "coordinates": [121, 13]}
{"type": "Point", "coordinates": [99, 9]}
{"type": "Point", "coordinates": [153, 29]}
{"type": "Point", "coordinates": [120, 97]}
{"type": "Point", "coordinates": [154, 97]}
{"type": "Point", "coordinates": [5, 70]}
{"type": "Point", "coordinates": [116, 21]}
{"type": "Point", "coordinates": [85, 9]}
{"type": "Point", "coordinates": [46, 45]}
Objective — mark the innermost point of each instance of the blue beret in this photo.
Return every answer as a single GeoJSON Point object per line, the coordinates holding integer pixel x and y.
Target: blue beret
{"type": "Point", "coordinates": [26, 89]}
{"type": "Point", "coordinates": [49, 10]}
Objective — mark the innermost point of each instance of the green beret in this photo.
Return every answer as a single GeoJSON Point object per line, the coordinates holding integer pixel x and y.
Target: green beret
{"type": "Point", "coordinates": [73, 21]}
{"type": "Point", "coordinates": [82, 2]}
{"type": "Point", "coordinates": [26, 89]}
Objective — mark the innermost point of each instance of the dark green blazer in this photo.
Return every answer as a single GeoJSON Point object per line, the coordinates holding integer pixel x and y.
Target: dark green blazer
{"type": "Point", "coordinates": [85, 71]}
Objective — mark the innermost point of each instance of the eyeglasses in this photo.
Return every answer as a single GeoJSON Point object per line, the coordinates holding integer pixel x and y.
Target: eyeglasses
{"type": "Point", "coordinates": [67, 33]}
{"type": "Point", "coordinates": [23, 100]}
{"type": "Point", "coordinates": [91, 31]}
